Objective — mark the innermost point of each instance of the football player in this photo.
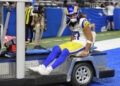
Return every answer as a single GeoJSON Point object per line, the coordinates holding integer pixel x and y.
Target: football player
{"type": "Point", "coordinates": [80, 44]}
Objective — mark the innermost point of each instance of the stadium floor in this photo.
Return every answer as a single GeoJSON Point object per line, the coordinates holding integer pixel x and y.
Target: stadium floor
{"type": "Point", "coordinates": [113, 62]}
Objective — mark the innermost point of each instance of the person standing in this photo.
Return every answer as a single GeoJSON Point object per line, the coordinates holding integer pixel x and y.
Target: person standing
{"type": "Point", "coordinates": [39, 29]}
{"type": "Point", "coordinates": [110, 13]}
{"type": "Point", "coordinates": [28, 22]}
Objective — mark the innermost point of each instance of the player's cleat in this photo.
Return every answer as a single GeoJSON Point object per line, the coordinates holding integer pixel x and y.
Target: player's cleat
{"type": "Point", "coordinates": [47, 71]}
{"type": "Point", "coordinates": [38, 68]}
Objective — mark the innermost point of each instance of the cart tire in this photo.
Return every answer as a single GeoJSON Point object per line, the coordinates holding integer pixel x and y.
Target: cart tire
{"type": "Point", "coordinates": [82, 74]}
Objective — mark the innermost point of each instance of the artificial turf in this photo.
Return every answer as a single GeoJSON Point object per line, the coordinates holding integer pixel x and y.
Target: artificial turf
{"type": "Point", "coordinates": [53, 41]}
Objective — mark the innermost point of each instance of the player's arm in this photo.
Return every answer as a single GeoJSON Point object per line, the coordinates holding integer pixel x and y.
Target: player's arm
{"type": "Point", "coordinates": [88, 34]}
{"type": "Point", "coordinates": [89, 37]}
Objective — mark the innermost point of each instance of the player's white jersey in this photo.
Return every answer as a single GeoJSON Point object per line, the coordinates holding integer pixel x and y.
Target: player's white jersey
{"type": "Point", "coordinates": [78, 32]}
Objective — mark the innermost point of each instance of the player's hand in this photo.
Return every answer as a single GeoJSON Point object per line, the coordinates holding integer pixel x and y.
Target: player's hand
{"type": "Point", "coordinates": [84, 53]}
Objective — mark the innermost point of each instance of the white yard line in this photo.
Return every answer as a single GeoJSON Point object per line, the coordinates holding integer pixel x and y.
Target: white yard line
{"type": "Point", "coordinates": [108, 44]}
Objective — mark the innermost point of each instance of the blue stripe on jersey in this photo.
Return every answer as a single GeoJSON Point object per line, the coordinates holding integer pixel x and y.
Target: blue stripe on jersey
{"type": "Point", "coordinates": [77, 50]}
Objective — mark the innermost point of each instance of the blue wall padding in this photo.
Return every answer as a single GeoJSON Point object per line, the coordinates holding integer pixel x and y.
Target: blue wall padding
{"type": "Point", "coordinates": [33, 2]}
{"type": "Point", "coordinates": [12, 21]}
{"type": "Point", "coordinates": [37, 51]}
{"type": "Point", "coordinates": [95, 16]}
{"type": "Point", "coordinates": [117, 18]}
{"type": "Point", "coordinates": [54, 18]}
{"type": "Point", "coordinates": [67, 32]}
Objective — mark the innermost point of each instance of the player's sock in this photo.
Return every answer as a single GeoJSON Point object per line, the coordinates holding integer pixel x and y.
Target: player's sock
{"type": "Point", "coordinates": [61, 58]}
{"type": "Point", "coordinates": [55, 51]}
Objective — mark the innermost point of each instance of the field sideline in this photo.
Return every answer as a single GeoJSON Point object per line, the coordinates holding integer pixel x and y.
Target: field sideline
{"type": "Point", "coordinates": [50, 42]}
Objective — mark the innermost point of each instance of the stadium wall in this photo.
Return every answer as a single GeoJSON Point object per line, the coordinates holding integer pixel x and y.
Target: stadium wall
{"type": "Point", "coordinates": [54, 19]}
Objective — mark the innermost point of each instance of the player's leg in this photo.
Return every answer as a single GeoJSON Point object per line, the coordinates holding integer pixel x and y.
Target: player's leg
{"type": "Point", "coordinates": [112, 25]}
{"type": "Point", "coordinates": [61, 59]}
{"type": "Point", "coordinates": [37, 37]}
{"type": "Point", "coordinates": [108, 20]}
{"type": "Point", "coordinates": [55, 51]}
{"type": "Point", "coordinates": [108, 26]}
{"type": "Point", "coordinates": [68, 50]}
{"type": "Point", "coordinates": [31, 33]}
{"type": "Point", "coordinates": [26, 32]}
{"type": "Point", "coordinates": [42, 68]}
{"type": "Point", "coordinates": [112, 22]}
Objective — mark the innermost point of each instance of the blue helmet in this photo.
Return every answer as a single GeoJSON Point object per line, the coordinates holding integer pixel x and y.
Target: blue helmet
{"type": "Point", "coordinates": [71, 10]}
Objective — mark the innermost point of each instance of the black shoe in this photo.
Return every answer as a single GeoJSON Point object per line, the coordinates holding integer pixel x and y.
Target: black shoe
{"type": "Point", "coordinates": [39, 47]}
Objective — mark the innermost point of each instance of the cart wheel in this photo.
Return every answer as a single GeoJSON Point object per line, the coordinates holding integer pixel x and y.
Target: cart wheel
{"type": "Point", "coordinates": [82, 74]}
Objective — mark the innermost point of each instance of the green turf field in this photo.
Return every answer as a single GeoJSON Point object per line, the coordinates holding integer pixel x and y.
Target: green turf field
{"type": "Point", "coordinates": [50, 42]}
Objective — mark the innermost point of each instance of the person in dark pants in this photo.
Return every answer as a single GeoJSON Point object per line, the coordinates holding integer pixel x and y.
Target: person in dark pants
{"type": "Point", "coordinates": [28, 27]}
{"type": "Point", "coordinates": [28, 22]}
{"type": "Point", "coordinates": [110, 14]}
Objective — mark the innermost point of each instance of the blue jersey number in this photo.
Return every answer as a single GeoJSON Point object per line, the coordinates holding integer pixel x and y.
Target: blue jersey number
{"type": "Point", "coordinates": [76, 35]}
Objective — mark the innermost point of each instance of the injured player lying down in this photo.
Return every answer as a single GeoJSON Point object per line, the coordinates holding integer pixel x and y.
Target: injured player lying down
{"type": "Point", "coordinates": [82, 40]}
